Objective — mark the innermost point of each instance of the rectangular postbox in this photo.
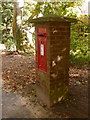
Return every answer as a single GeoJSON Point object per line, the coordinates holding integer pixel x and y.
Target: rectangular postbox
{"type": "Point", "coordinates": [41, 49]}
{"type": "Point", "coordinates": [52, 56]}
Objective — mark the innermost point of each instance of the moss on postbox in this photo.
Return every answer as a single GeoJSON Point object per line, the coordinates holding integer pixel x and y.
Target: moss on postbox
{"type": "Point", "coordinates": [52, 57]}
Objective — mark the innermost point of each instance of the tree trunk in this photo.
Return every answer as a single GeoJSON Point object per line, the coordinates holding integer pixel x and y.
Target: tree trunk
{"type": "Point", "coordinates": [17, 23]}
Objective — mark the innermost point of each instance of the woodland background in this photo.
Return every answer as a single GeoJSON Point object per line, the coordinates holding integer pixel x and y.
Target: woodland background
{"type": "Point", "coordinates": [18, 32]}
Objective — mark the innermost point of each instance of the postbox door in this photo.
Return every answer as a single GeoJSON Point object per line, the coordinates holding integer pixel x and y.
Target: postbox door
{"type": "Point", "coordinates": [41, 52]}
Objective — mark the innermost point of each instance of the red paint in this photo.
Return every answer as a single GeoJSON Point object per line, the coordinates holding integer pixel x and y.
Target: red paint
{"type": "Point", "coordinates": [41, 54]}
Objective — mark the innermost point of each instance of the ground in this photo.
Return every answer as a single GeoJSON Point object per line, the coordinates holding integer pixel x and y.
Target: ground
{"type": "Point", "coordinates": [19, 95]}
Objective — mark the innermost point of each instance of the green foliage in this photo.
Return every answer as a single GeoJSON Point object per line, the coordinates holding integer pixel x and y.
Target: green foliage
{"type": "Point", "coordinates": [6, 25]}
{"type": "Point", "coordinates": [58, 8]}
{"type": "Point", "coordinates": [79, 41]}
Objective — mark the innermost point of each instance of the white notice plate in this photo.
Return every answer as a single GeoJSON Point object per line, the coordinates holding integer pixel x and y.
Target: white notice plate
{"type": "Point", "coordinates": [42, 49]}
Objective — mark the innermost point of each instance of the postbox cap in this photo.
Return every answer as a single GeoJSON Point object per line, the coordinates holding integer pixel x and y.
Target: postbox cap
{"type": "Point", "coordinates": [53, 18]}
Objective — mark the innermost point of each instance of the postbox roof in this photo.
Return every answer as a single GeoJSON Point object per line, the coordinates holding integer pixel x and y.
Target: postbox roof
{"type": "Point", "coordinates": [53, 18]}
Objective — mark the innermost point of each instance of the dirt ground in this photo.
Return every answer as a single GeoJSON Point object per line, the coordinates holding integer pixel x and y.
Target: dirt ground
{"type": "Point", "coordinates": [19, 78]}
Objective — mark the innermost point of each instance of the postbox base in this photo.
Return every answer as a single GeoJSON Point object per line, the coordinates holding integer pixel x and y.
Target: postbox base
{"type": "Point", "coordinates": [47, 99]}
{"type": "Point", "coordinates": [42, 97]}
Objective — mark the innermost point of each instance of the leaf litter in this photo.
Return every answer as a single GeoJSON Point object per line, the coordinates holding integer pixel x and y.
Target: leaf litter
{"type": "Point", "coordinates": [19, 76]}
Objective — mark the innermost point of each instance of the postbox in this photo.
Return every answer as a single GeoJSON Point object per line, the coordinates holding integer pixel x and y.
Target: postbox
{"type": "Point", "coordinates": [41, 51]}
{"type": "Point", "coordinates": [52, 57]}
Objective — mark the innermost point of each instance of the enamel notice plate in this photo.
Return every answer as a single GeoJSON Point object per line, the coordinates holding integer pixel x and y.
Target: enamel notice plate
{"type": "Point", "coordinates": [42, 49]}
